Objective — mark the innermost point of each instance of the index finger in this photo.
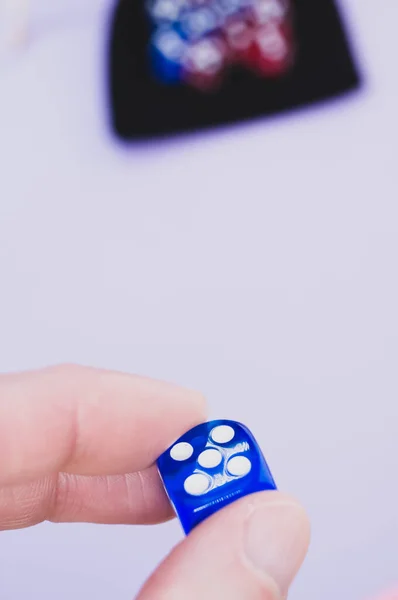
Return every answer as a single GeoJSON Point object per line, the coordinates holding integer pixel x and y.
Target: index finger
{"type": "Point", "coordinates": [88, 422]}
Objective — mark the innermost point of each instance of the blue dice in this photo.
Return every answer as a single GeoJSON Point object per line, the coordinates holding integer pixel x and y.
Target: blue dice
{"type": "Point", "coordinates": [167, 52]}
{"type": "Point", "coordinates": [211, 466]}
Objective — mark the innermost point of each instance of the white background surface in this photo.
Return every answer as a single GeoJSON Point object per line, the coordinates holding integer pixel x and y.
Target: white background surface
{"type": "Point", "coordinates": [258, 264]}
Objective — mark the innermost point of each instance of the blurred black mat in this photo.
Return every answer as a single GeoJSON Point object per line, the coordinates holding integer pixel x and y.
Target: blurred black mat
{"type": "Point", "coordinates": [141, 107]}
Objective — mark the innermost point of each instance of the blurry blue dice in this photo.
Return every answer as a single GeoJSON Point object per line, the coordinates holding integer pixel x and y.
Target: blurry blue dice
{"type": "Point", "coordinates": [167, 51]}
{"type": "Point", "coordinates": [211, 466]}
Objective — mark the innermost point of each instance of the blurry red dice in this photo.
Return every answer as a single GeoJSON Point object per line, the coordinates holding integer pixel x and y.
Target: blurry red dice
{"type": "Point", "coordinates": [217, 34]}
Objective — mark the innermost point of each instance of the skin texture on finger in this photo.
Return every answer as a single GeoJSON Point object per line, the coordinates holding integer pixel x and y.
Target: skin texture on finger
{"type": "Point", "coordinates": [79, 444]}
{"type": "Point", "coordinates": [135, 498]}
{"type": "Point", "coordinates": [251, 549]}
{"type": "Point", "coordinates": [88, 422]}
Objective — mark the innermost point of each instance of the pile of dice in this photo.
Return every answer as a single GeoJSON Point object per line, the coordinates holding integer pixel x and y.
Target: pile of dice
{"type": "Point", "coordinates": [195, 41]}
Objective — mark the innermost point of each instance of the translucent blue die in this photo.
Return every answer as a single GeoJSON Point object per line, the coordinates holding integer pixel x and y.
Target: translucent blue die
{"type": "Point", "coordinates": [167, 50]}
{"type": "Point", "coordinates": [211, 466]}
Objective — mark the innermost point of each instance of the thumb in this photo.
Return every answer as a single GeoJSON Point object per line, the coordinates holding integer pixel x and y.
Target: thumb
{"type": "Point", "coordinates": [251, 549]}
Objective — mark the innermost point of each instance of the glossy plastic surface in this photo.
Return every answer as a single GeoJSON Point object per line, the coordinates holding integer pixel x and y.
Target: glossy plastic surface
{"type": "Point", "coordinates": [211, 466]}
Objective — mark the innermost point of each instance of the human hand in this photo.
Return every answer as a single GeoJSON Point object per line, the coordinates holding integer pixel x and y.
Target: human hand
{"type": "Point", "coordinates": [80, 444]}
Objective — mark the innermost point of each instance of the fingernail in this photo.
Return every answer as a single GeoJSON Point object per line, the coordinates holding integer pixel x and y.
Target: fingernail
{"type": "Point", "coordinates": [276, 541]}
